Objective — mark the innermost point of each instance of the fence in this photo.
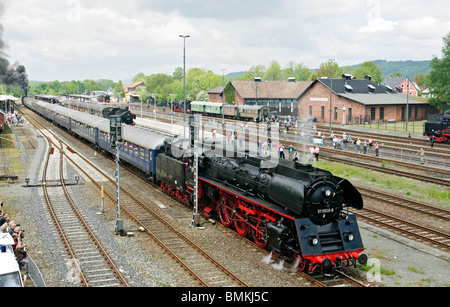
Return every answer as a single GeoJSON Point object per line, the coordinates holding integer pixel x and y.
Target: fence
{"type": "Point", "coordinates": [35, 273]}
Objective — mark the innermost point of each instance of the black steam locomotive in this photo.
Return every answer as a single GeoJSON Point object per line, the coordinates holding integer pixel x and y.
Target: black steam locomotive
{"type": "Point", "coordinates": [438, 125]}
{"type": "Point", "coordinates": [294, 209]}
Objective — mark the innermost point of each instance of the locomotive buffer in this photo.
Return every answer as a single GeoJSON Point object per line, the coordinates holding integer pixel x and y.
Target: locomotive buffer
{"type": "Point", "coordinates": [117, 116]}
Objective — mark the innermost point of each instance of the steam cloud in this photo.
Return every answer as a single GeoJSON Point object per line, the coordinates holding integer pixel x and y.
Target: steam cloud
{"type": "Point", "coordinates": [11, 74]}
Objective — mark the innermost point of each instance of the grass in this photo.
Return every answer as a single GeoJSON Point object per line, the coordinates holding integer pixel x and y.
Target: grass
{"type": "Point", "coordinates": [395, 184]}
{"type": "Point", "coordinates": [12, 153]}
{"type": "Point", "coordinates": [367, 268]}
{"type": "Point", "coordinates": [414, 127]}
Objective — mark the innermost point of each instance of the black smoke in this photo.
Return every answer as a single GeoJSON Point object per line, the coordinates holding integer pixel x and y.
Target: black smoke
{"type": "Point", "coordinates": [15, 74]}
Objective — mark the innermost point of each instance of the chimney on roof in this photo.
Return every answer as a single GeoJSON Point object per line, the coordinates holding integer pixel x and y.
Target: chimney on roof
{"type": "Point", "coordinates": [371, 88]}
{"type": "Point", "coordinates": [368, 77]}
{"type": "Point", "coordinates": [257, 79]}
{"type": "Point", "coordinates": [291, 79]}
{"type": "Point", "coordinates": [347, 76]}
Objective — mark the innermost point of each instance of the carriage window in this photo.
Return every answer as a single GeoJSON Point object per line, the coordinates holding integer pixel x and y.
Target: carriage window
{"type": "Point", "coordinates": [142, 153]}
{"type": "Point", "coordinates": [147, 155]}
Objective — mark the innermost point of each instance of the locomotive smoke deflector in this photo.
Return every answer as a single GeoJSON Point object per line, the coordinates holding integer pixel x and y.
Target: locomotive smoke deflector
{"type": "Point", "coordinates": [352, 197]}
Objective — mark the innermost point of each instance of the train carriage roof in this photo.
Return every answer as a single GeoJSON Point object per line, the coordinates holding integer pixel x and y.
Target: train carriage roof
{"type": "Point", "coordinates": [139, 136]}
{"type": "Point", "coordinates": [253, 107]}
{"type": "Point", "coordinates": [206, 103]}
{"type": "Point", "coordinates": [90, 120]}
{"type": "Point", "coordinates": [143, 137]}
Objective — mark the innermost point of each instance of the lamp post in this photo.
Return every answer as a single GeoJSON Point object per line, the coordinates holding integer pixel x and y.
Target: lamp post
{"type": "Point", "coordinates": [223, 94]}
{"type": "Point", "coordinates": [331, 92]}
{"type": "Point", "coordinates": [184, 82]}
{"type": "Point", "coordinates": [407, 100]}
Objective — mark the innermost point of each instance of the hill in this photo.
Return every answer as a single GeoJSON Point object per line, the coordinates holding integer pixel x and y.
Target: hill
{"type": "Point", "coordinates": [389, 67]}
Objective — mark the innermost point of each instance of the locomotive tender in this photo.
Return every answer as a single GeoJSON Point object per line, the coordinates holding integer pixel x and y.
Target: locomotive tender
{"type": "Point", "coordinates": [295, 210]}
{"type": "Point", "coordinates": [438, 125]}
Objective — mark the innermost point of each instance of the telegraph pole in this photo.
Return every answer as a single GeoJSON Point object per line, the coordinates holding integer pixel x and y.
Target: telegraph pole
{"type": "Point", "coordinates": [184, 83]}
{"type": "Point", "coordinates": [331, 93]}
{"type": "Point", "coordinates": [407, 101]}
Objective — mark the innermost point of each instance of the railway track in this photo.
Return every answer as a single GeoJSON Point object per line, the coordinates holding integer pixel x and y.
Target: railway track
{"type": "Point", "coordinates": [198, 263]}
{"type": "Point", "coordinates": [385, 170]}
{"type": "Point", "coordinates": [434, 211]}
{"type": "Point", "coordinates": [437, 175]}
{"type": "Point", "coordinates": [421, 234]}
{"type": "Point", "coordinates": [92, 263]}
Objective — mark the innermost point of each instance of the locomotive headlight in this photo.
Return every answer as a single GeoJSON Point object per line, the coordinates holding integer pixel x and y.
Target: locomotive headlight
{"type": "Point", "coordinates": [327, 193]}
{"type": "Point", "coordinates": [313, 240]}
{"type": "Point", "coordinates": [349, 236]}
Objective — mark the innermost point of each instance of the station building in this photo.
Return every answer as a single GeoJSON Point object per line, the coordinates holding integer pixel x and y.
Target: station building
{"type": "Point", "coordinates": [281, 96]}
{"type": "Point", "coordinates": [356, 101]}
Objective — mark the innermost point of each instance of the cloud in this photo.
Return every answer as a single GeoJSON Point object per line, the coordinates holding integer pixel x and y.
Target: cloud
{"type": "Point", "coordinates": [379, 25]}
{"type": "Point", "coordinates": [79, 39]}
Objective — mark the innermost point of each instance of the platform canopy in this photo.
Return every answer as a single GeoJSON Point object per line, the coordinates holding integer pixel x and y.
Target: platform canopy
{"type": "Point", "coordinates": [8, 97]}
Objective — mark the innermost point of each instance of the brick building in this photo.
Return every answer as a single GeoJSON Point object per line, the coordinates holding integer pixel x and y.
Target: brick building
{"type": "Point", "coordinates": [361, 100]}
{"type": "Point", "coordinates": [281, 96]}
{"type": "Point", "coordinates": [216, 94]}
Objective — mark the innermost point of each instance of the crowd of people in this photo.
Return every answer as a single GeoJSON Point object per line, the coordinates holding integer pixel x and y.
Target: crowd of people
{"type": "Point", "coordinates": [14, 118]}
{"type": "Point", "coordinates": [306, 133]}
{"type": "Point", "coordinates": [7, 225]}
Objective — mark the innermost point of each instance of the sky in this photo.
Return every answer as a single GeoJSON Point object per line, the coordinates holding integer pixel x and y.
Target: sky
{"type": "Point", "coordinates": [116, 39]}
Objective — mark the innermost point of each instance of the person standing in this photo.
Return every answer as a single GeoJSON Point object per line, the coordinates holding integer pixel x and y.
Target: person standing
{"type": "Point", "coordinates": [377, 149]}
{"type": "Point", "coordinates": [422, 156]}
{"type": "Point", "coordinates": [316, 153]}
{"type": "Point", "coordinates": [432, 139]}
{"type": "Point", "coordinates": [291, 152]}
{"type": "Point", "coordinates": [282, 152]}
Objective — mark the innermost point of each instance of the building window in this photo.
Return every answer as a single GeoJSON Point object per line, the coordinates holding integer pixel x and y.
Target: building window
{"type": "Point", "coordinates": [310, 110]}
{"type": "Point", "coordinates": [372, 113]}
{"type": "Point", "coordinates": [350, 115]}
{"type": "Point", "coordinates": [381, 113]}
{"type": "Point", "coordinates": [416, 114]}
{"type": "Point", "coordinates": [323, 113]}
{"type": "Point", "coordinates": [403, 113]}
{"type": "Point", "coordinates": [335, 113]}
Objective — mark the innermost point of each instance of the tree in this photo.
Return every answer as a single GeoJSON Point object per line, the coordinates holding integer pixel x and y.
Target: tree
{"type": "Point", "coordinates": [368, 68]}
{"type": "Point", "coordinates": [119, 91]}
{"type": "Point", "coordinates": [325, 70]}
{"type": "Point", "coordinates": [421, 79]}
{"type": "Point", "coordinates": [254, 71]}
{"type": "Point", "coordinates": [439, 78]}
{"type": "Point", "coordinates": [178, 73]}
{"type": "Point", "coordinates": [273, 72]}
{"type": "Point", "coordinates": [299, 71]}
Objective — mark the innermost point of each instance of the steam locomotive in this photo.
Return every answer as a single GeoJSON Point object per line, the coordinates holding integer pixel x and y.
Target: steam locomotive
{"type": "Point", "coordinates": [298, 211]}
{"type": "Point", "coordinates": [438, 125]}
{"type": "Point", "coordinates": [293, 209]}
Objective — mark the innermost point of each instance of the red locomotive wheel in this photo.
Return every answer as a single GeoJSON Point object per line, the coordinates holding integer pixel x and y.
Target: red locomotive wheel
{"type": "Point", "coordinates": [225, 212]}
{"type": "Point", "coordinates": [242, 228]}
{"type": "Point", "coordinates": [259, 240]}
{"type": "Point", "coordinates": [300, 263]}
